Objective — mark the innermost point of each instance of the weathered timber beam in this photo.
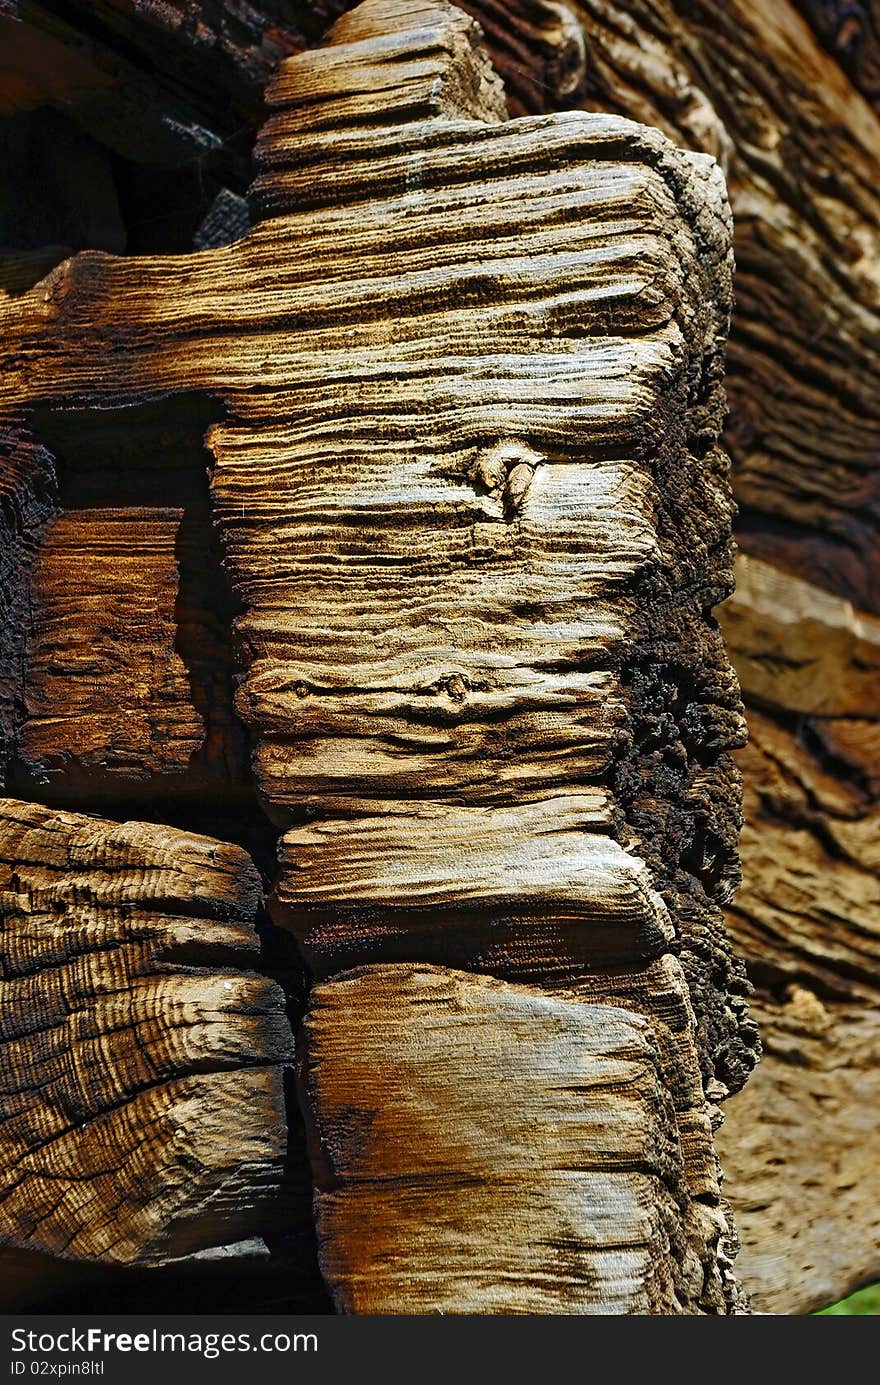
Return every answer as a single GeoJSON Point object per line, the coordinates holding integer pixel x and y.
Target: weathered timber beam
{"type": "Point", "coordinates": [502, 1149]}
{"type": "Point", "coordinates": [473, 507]}
{"type": "Point", "coordinates": [129, 665]}
{"type": "Point", "coordinates": [751, 83]}
{"type": "Point", "coordinates": [462, 726]}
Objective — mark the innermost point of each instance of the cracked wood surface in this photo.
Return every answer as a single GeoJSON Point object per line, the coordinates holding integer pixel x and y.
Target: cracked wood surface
{"type": "Point", "coordinates": [575, 1189]}
{"type": "Point", "coordinates": [141, 1056]}
{"type": "Point", "coordinates": [753, 85]}
{"type": "Point", "coordinates": [474, 511]}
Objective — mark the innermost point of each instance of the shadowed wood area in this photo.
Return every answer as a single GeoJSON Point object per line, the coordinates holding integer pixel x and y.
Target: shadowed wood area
{"type": "Point", "coordinates": [27, 494]}
{"type": "Point", "coordinates": [128, 684]}
{"type": "Point", "coordinates": [474, 514]}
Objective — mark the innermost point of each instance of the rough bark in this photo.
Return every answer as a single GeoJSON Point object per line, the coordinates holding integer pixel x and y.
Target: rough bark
{"type": "Point", "coordinates": [473, 508]}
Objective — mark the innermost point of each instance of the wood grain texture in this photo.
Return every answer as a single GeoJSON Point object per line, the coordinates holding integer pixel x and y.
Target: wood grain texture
{"type": "Point", "coordinates": [141, 1057]}
{"type": "Point", "coordinates": [753, 84]}
{"type": "Point", "coordinates": [546, 505]}
{"type": "Point", "coordinates": [27, 500]}
{"type": "Point", "coordinates": [487, 1148]}
{"type": "Point", "coordinates": [130, 664]}
{"type": "Point", "coordinates": [474, 511]}
{"type": "Point", "coordinates": [807, 912]}
{"type": "Point", "coordinates": [799, 1147]}
{"type": "Point", "coordinates": [457, 561]}
{"type": "Point", "coordinates": [756, 88]}
{"type": "Point", "coordinates": [798, 648]}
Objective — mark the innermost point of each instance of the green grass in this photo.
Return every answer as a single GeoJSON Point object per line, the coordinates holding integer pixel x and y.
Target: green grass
{"type": "Point", "coordinates": [865, 1301]}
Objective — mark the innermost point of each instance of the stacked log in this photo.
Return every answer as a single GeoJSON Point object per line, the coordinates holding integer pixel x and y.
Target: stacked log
{"type": "Point", "coordinates": [473, 510]}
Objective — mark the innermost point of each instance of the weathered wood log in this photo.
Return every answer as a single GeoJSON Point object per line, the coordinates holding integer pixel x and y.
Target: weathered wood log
{"type": "Point", "coordinates": [753, 85]}
{"type": "Point", "coordinates": [800, 1148]}
{"type": "Point", "coordinates": [484, 1148]}
{"type": "Point", "coordinates": [802, 421]}
{"type": "Point", "coordinates": [129, 674]}
{"type": "Point", "coordinates": [142, 1058]}
{"type": "Point", "coordinates": [498, 618]}
{"type": "Point", "coordinates": [422, 851]}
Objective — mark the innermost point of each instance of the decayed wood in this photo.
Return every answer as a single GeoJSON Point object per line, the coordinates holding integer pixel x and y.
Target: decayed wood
{"type": "Point", "coordinates": [752, 84]}
{"type": "Point", "coordinates": [755, 88]}
{"type": "Point", "coordinates": [417, 758]}
{"type": "Point", "coordinates": [141, 1056]}
{"type": "Point", "coordinates": [473, 508]}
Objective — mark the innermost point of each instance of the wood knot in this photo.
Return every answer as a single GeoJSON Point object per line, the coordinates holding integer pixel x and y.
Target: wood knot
{"type": "Point", "coordinates": [506, 469]}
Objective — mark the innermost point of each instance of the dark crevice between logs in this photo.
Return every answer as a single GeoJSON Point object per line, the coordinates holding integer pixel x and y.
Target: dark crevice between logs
{"type": "Point", "coordinates": [28, 497]}
{"type": "Point", "coordinates": [61, 186]}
